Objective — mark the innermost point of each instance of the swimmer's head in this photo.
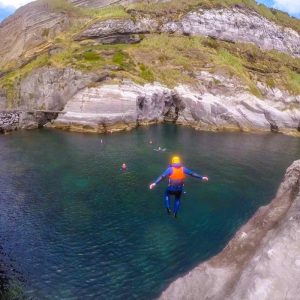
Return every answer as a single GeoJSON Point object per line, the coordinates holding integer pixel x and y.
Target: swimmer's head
{"type": "Point", "coordinates": [175, 160]}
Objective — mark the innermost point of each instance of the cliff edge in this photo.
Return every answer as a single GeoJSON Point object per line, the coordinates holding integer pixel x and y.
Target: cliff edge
{"type": "Point", "coordinates": [262, 261]}
{"type": "Point", "coordinates": [106, 65]}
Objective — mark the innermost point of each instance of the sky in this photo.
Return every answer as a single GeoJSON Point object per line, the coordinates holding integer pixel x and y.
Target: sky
{"type": "Point", "coordinates": [7, 7]}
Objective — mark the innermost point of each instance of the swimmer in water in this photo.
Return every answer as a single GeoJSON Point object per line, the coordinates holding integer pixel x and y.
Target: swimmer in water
{"type": "Point", "coordinates": [124, 167]}
{"type": "Point", "coordinates": [176, 174]}
{"type": "Point", "coordinates": [160, 149]}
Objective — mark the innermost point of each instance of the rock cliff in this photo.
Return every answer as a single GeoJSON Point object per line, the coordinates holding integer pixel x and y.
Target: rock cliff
{"type": "Point", "coordinates": [237, 25]}
{"type": "Point", "coordinates": [262, 261]}
{"type": "Point", "coordinates": [217, 103]}
{"type": "Point", "coordinates": [28, 29]}
{"type": "Point", "coordinates": [233, 67]}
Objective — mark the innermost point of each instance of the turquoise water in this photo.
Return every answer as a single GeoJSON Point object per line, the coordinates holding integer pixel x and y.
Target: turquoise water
{"type": "Point", "coordinates": [73, 226]}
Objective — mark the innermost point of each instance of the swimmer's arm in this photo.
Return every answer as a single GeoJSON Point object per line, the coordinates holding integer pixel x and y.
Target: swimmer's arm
{"type": "Point", "coordinates": [165, 174]}
{"type": "Point", "coordinates": [193, 174]}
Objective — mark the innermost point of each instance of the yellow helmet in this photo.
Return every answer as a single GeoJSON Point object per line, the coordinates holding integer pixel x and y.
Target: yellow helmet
{"type": "Point", "coordinates": [175, 160]}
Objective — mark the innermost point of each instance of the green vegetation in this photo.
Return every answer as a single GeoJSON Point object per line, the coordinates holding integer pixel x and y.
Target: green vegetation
{"type": "Point", "coordinates": [236, 69]}
{"type": "Point", "coordinates": [179, 8]}
{"type": "Point", "coordinates": [168, 59]}
{"type": "Point", "coordinates": [10, 81]}
{"type": "Point", "coordinates": [108, 12]}
{"type": "Point", "coordinates": [91, 55]}
{"type": "Point", "coordinates": [293, 82]}
{"type": "Point", "coordinates": [146, 73]}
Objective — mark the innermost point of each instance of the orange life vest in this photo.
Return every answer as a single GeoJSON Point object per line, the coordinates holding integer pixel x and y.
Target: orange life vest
{"type": "Point", "coordinates": [177, 174]}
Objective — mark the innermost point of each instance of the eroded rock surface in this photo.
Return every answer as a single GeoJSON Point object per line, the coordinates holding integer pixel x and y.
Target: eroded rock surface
{"type": "Point", "coordinates": [118, 31]}
{"type": "Point", "coordinates": [28, 28]}
{"type": "Point", "coordinates": [260, 262]}
{"type": "Point", "coordinates": [236, 24]}
{"type": "Point", "coordinates": [103, 3]}
{"type": "Point", "coordinates": [117, 107]}
{"type": "Point", "coordinates": [16, 119]}
{"type": "Point", "coordinates": [51, 88]}
{"type": "Point", "coordinates": [217, 103]}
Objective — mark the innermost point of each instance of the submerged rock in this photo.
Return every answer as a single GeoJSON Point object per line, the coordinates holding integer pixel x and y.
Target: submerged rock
{"type": "Point", "coordinates": [260, 262]}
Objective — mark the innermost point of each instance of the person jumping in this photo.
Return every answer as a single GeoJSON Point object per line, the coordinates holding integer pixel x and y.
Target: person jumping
{"type": "Point", "coordinates": [176, 174]}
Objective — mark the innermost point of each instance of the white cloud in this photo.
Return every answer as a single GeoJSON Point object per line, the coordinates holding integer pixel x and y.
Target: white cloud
{"type": "Point", "coordinates": [13, 3]}
{"type": "Point", "coordinates": [290, 6]}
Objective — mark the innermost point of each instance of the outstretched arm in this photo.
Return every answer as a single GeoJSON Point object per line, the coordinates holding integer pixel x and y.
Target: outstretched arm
{"type": "Point", "coordinates": [193, 174]}
{"type": "Point", "coordinates": [160, 178]}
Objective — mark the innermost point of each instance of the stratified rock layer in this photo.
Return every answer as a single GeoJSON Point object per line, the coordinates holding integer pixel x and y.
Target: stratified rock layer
{"type": "Point", "coordinates": [29, 28]}
{"type": "Point", "coordinates": [50, 88]}
{"type": "Point", "coordinates": [262, 261]}
{"type": "Point", "coordinates": [217, 103]}
{"type": "Point", "coordinates": [117, 107]}
{"type": "Point", "coordinates": [242, 25]}
{"type": "Point", "coordinates": [103, 3]}
{"type": "Point", "coordinates": [235, 25]}
{"type": "Point", "coordinates": [118, 31]}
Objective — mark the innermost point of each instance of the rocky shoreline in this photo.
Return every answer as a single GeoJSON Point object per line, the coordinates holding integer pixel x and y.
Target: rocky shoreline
{"type": "Point", "coordinates": [17, 119]}
{"type": "Point", "coordinates": [103, 100]}
{"type": "Point", "coordinates": [216, 103]}
{"type": "Point", "coordinates": [262, 261]}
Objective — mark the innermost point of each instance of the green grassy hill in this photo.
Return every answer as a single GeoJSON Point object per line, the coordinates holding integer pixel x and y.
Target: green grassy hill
{"type": "Point", "coordinates": [166, 58]}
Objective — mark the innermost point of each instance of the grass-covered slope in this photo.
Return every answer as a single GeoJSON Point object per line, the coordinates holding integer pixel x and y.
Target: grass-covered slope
{"type": "Point", "coordinates": [169, 59]}
{"type": "Point", "coordinates": [178, 8]}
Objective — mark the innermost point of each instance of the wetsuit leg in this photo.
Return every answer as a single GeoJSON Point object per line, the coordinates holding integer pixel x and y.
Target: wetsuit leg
{"type": "Point", "coordinates": [167, 201]}
{"type": "Point", "coordinates": [177, 202]}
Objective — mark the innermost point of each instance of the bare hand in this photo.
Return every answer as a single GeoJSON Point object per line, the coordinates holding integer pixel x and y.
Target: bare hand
{"type": "Point", "coordinates": [152, 186]}
{"type": "Point", "coordinates": [205, 178]}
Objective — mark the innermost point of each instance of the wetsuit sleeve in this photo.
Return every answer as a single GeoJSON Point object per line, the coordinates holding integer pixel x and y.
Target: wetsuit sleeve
{"type": "Point", "coordinates": [191, 173]}
{"type": "Point", "coordinates": [165, 174]}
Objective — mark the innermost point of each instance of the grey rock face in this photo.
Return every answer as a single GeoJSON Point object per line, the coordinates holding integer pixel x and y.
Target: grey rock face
{"type": "Point", "coordinates": [9, 121]}
{"type": "Point", "coordinates": [116, 31]}
{"type": "Point", "coordinates": [28, 28]}
{"type": "Point", "coordinates": [2, 100]}
{"type": "Point", "coordinates": [15, 119]}
{"type": "Point", "coordinates": [50, 88]}
{"type": "Point", "coordinates": [210, 106]}
{"type": "Point", "coordinates": [228, 105]}
{"type": "Point", "coordinates": [237, 24]}
{"type": "Point", "coordinates": [103, 3]}
{"type": "Point", "coordinates": [120, 39]}
{"type": "Point", "coordinates": [117, 107]}
{"type": "Point", "coordinates": [262, 261]}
